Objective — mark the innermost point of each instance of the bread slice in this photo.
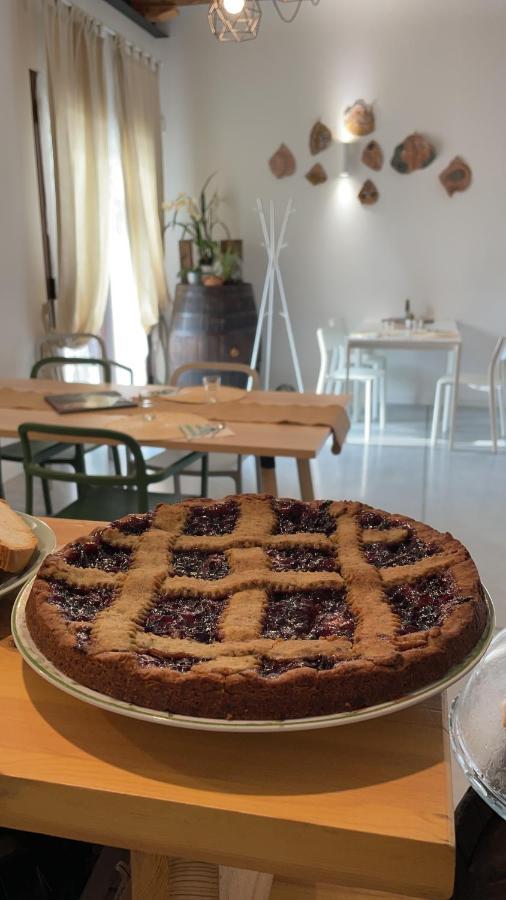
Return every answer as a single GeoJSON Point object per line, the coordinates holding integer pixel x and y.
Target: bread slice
{"type": "Point", "coordinates": [17, 540]}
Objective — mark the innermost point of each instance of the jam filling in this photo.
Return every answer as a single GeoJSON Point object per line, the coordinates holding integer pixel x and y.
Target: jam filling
{"type": "Point", "coordinates": [379, 522]}
{"type": "Point", "coordinates": [136, 523]}
{"type": "Point", "coordinates": [193, 618]}
{"type": "Point", "coordinates": [425, 603]}
{"type": "Point", "coordinates": [271, 668]}
{"type": "Point", "coordinates": [78, 605]}
{"type": "Point", "coordinates": [302, 559]}
{"type": "Point", "coordinates": [296, 517]}
{"type": "Point", "coordinates": [308, 615]}
{"type": "Point", "coordinates": [200, 564]}
{"type": "Point", "coordinates": [176, 663]}
{"type": "Point", "coordinates": [215, 519]}
{"type": "Point", "coordinates": [404, 553]}
{"type": "Point", "coordinates": [97, 554]}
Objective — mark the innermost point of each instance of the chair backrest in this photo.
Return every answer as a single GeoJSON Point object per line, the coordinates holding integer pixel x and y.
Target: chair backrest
{"type": "Point", "coordinates": [251, 375]}
{"type": "Point", "coordinates": [332, 346]}
{"type": "Point", "coordinates": [136, 475]}
{"type": "Point", "coordinates": [80, 343]}
{"type": "Point", "coordinates": [497, 360]}
{"type": "Point", "coordinates": [60, 364]}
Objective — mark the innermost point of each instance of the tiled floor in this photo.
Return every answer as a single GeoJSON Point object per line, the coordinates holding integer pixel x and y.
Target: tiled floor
{"type": "Point", "coordinates": [463, 491]}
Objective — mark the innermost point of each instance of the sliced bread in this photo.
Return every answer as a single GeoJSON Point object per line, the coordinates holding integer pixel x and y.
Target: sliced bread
{"type": "Point", "coordinates": [17, 540]}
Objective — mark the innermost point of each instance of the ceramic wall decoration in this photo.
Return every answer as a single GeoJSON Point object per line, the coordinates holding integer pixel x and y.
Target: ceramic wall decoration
{"type": "Point", "coordinates": [369, 193]}
{"type": "Point", "coordinates": [415, 152]}
{"type": "Point", "coordinates": [372, 156]}
{"type": "Point", "coordinates": [359, 118]}
{"type": "Point", "coordinates": [456, 177]}
{"type": "Point", "coordinates": [282, 162]}
{"type": "Point", "coordinates": [316, 175]}
{"type": "Point", "coordinates": [320, 138]}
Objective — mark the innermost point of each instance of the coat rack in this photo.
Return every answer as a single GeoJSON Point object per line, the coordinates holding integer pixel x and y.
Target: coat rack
{"type": "Point", "coordinates": [274, 245]}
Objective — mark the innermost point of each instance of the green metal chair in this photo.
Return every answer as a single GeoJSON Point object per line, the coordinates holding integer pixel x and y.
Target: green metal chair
{"type": "Point", "coordinates": [48, 453]}
{"type": "Point", "coordinates": [58, 363]}
{"type": "Point", "coordinates": [103, 496]}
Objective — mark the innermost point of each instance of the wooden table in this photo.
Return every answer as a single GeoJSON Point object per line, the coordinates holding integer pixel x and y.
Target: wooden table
{"type": "Point", "coordinates": [438, 336]}
{"type": "Point", "coordinates": [267, 442]}
{"type": "Point", "coordinates": [334, 814]}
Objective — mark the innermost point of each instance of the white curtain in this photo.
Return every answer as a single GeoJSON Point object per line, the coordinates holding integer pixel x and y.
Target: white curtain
{"type": "Point", "coordinates": [138, 111]}
{"type": "Point", "coordinates": [75, 50]}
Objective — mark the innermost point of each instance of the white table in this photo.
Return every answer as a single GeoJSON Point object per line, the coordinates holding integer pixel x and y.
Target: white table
{"type": "Point", "coordinates": [438, 336]}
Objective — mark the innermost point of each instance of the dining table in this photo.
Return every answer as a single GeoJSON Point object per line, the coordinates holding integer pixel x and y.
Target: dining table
{"type": "Point", "coordinates": [357, 812]}
{"type": "Point", "coordinates": [437, 335]}
{"type": "Point", "coordinates": [263, 424]}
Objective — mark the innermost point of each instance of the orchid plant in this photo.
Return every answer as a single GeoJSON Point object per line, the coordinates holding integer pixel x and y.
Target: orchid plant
{"type": "Point", "coordinates": [200, 221]}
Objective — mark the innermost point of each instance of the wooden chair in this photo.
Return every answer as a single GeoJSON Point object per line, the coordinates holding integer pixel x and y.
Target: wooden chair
{"type": "Point", "coordinates": [103, 496]}
{"type": "Point", "coordinates": [230, 465]}
{"type": "Point", "coordinates": [332, 375]}
{"type": "Point", "coordinates": [491, 383]}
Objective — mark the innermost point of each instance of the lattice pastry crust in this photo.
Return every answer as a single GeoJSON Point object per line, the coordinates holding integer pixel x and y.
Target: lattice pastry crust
{"type": "Point", "coordinates": [255, 608]}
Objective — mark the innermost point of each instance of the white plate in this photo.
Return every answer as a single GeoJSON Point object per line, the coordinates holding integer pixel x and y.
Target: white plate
{"type": "Point", "coordinates": [198, 394]}
{"type": "Point", "coordinates": [46, 542]}
{"type": "Point", "coordinates": [33, 656]}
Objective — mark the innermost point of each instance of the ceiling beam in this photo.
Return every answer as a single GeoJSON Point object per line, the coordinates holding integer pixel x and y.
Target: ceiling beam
{"type": "Point", "coordinates": [123, 7]}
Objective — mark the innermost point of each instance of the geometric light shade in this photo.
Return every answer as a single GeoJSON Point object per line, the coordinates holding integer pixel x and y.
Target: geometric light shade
{"type": "Point", "coordinates": [241, 26]}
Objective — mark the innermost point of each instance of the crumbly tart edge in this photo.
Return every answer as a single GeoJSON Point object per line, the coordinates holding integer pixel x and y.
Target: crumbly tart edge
{"type": "Point", "coordinates": [296, 693]}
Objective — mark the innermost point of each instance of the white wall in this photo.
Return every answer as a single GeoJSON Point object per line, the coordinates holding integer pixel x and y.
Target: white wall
{"type": "Point", "coordinates": [436, 67]}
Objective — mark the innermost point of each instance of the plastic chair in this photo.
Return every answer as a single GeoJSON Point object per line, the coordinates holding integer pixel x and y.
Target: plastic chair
{"type": "Point", "coordinates": [491, 382]}
{"type": "Point", "coordinates": [103, 496]}
{"type": "Point", "coordinates": [332, 375]}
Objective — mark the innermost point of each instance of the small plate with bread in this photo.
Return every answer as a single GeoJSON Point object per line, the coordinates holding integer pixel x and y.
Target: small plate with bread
{"type": "Point", "coordinates": [24, 542]}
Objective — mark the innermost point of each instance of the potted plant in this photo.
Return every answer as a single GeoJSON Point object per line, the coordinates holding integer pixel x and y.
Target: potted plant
{"type": "Point", "coordinates": [214, 316]}
{"type": "Point", "coordinates": [198, 221]}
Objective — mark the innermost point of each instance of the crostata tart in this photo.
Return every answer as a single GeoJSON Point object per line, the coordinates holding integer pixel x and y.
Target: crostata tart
{"type": "Point", "coordinates": [257, 608]}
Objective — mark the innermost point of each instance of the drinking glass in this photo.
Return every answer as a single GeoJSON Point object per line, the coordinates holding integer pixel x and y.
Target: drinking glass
{"type": "Point", "coordinates": [211, 386]}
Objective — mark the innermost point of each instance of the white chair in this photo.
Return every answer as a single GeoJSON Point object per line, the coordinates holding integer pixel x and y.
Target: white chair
{"type": "Point", "coordinates": [332, 375]}
{"type": "Point", "coordinates": [491, 383]}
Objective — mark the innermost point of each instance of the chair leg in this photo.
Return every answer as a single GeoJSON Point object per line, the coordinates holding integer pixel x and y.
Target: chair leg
{"type": "Point", "coordinates": [204, 476]}
{"type": "Point", "coordinates": [367, 410]}
{"type": "Point", "coordinates": [2, 491]}
{"type": "Point", "coordinates": [435, 414]}
{"type": "Point", "coordinates": [46, 492]}
{"type": "Point", "coordinates": [356, 403]}
{"type": "Point", "coordinates": [28, 494]}
{"type": "Point", "coordinates": [238, 476]}
{"type": "Point", "coordinates": [493, 419]}
{"type": "Point", "coordinates": [500, 401]}
{"type": "Point", "coordinates": [258, 473]}
{"type": "Point", "coordinates": [381, 393]}
{"type": "Point", "coordinates": [446, 407]}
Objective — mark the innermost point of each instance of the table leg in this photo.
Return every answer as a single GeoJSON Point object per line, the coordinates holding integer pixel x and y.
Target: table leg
{"type": "Point", "coordinates": [455, 392]}
{"type": "Point", "coordinates": [243, 884]}
{"type": "Point", "coordinates": [158, 878]}
{"type": "Point", "coordinates": [268, 474]}
{"type": "Point", "coordinates": [305, 479]}
{"type": "Point", "coordinates": [150, 876]}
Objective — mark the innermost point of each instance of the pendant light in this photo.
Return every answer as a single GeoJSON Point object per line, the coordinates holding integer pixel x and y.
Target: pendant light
{"type": "Point", "coordinates": [234, 20]}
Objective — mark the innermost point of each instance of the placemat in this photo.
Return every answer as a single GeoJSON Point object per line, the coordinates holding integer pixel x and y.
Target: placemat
{"type": "Point", "coordinates": [281, 407]}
